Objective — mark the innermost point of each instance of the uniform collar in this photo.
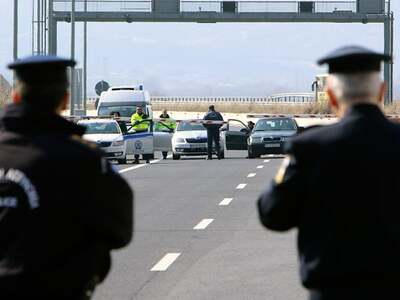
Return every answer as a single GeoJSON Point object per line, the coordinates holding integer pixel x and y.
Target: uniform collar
{"type": "Point", "coordinates": [364, 110]}
{"type": "Point", "coordinates": [25, 119]}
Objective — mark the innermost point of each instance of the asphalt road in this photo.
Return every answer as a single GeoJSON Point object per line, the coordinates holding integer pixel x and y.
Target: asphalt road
{"type": "Point", "coordinates": [187, 245]}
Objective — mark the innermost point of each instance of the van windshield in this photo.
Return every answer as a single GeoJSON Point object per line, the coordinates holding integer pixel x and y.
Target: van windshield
{"type": "Point", "coordinates": [124, 111]}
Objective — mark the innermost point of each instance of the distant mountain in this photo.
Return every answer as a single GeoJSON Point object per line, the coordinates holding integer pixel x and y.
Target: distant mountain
{"type": "Point", "coordinates": [5, 91]}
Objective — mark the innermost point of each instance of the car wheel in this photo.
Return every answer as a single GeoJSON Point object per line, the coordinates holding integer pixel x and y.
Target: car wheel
{"type": "Point", "coordinates": [175, 156]}
{"type": "Point", "coordinates": [122, 161]}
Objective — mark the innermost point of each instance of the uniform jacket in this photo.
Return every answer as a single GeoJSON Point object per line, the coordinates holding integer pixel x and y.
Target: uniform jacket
{"type": "Point", "coordinates": [214, 116]}
{"type": "Point", "coordinates": [137, 118]}
{"type": "Point", "coordinates": [62, 207]}
{"type": "Point", "coordinates": [341, 190]}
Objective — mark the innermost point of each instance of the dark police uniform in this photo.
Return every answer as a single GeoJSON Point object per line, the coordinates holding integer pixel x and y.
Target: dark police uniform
{"type": "Point", "coordinates": [340, 188]}
{"type": "Point", "coordinates": [213, 132]}
{"type": "Point", "coordinates": [62, 206]}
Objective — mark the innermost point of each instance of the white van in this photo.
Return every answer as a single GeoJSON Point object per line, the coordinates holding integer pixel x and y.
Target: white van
{"type": "Point", "coordinates": [124, 99]}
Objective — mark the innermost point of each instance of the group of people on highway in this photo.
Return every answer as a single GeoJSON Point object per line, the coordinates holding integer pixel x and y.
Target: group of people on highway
{"type": "Point", "coordinates": [167, 122]}
{"type": "Point", "coordinates": [338, 186]}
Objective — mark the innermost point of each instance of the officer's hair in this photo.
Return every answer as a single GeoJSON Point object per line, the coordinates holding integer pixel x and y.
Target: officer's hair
{"type": "Point", "coordinates": [357, 87]}
{"type": "Point", "coordinates": [46, 96]}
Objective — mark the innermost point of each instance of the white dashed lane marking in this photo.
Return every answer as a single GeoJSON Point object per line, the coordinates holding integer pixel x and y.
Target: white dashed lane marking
{"type": "Point", "coordinates": [203, 224]}
{"type": "Point", "coordinates": [241, 186]}
{"type": "Point", "coordinates": [251, 175]}
{"type": "Point", "coordinates": [267, 160]}
{"type": "Point", "coordinates": [260, 167]}
{"type": "Point", "coordinates": [165, 262]}
{"type": "Point", "coordinates": [226, 201]}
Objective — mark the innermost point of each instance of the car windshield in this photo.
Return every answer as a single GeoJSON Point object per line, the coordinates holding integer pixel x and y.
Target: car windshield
{"type": "Point", "coordinates": [124, 111]}
{"type": "Point", "coordinates": [275, 124]}
{"type": "Point", "coordinates": [101, 128]}
{"type": "Point", "coordinates": [186, 126]}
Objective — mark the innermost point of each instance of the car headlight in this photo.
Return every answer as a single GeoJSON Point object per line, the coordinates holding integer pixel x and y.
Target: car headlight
{"type": "Point", "coordinates": [284, 138]}
{"type": "Point", "coordinates": [180, 140]}
{"type": "Point", "coordinates": [255, 140]}
{"type": "Point", "coordinates": [118, 143]}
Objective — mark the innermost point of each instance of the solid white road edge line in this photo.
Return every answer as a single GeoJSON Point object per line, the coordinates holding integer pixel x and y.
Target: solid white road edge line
{"type": "Point", "coordinates": [165, 262]}
{"type": "Point", "coordinates": [260, 167]}
{"type": "Point", "coordinates": [226, 201]}
{"type": "Point", "coordinates": [203, 224]}
{"type": "Point", "coordinates": [140, 166]}
{"type": "Point", "coordinates": [241, 186]}
{"type": "Point", "coordinates": [251, 175]}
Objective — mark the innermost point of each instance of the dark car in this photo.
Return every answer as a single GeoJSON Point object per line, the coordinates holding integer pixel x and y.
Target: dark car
{"type": "Point", "coordinates": [268, 136]}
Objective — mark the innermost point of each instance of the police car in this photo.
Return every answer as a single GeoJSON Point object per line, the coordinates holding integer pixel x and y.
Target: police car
{"type": "Point", "coordinates": [121, 142]}
{"type": "Point", "coordinates": [108, 135]}
{"type": "Point", "coordinates": [190, 138]}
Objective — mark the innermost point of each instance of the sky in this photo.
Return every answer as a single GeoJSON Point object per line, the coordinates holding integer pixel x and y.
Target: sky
{"type": "Point", "coordinates": [189, 59]}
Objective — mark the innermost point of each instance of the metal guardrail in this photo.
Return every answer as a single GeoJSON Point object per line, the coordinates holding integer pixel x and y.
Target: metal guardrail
{"type": "Point", "coordinates": [288, 98]}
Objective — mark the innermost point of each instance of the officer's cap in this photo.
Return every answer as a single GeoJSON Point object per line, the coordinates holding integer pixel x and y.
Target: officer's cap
{"type": "Point", "coordinates": [41, 69]}
{"type": "Point", "coordinates": [354, 59]}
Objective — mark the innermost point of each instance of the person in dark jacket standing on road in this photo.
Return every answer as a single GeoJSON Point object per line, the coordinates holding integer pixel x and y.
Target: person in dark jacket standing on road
{"type": "Point", "coordinates": [62, 206]}
{"type": "Point", "coordinates": [213, 131]}
{"type": "Point", "coordinates": [339, 187]}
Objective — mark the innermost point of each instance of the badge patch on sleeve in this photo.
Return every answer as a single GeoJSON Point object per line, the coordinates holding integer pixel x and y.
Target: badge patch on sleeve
{"type": "Point", "coordinates": [280, 175]}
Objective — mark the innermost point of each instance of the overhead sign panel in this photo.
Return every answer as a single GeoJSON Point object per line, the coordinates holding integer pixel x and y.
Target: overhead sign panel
{"type": "Point", "coordinates": [371, 6]}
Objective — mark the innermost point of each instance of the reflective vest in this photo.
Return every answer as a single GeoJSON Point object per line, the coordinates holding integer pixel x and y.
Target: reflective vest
{"type": "Point", "coordinates": [169, 122]}
{"type": "Point", "coordinates": [144, 126]}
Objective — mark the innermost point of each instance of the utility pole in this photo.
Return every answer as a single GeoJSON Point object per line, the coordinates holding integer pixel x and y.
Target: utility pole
{"type": "Point", "coordinates": [72, 96]}
{"type": "Point", "coordinates": [15, 47]}
{"type": "Point", "coordinates": [85, 61]}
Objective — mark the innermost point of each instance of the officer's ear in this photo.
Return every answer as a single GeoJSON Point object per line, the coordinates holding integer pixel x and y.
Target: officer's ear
{"type": "Point", "coordinates": [333, 102]}
{"type": "Point", "coordinates": [64, 103]}
{"type": "Point", "coordinates": [16, 96]}
{"type": "Point", "coordinates": [382, 92]}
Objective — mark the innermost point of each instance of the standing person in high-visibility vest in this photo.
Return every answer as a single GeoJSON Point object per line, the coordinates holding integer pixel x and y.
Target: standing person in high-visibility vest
{"type": "Point", "coordinates": [170, 124]}
{"type": "Point", "coordinates": [139, 126]}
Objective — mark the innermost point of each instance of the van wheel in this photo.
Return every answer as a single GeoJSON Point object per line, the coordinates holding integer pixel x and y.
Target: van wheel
{"type": "Point", "coordinates": [175, 156]}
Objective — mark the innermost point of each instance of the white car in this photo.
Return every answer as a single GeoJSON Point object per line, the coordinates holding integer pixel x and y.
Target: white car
{"type": "Point", "coordinates": [191, 139]}
{"type": "Point", "coordinates": [122, 145]}
{"type": "Point", "coordinates": [108, 136]}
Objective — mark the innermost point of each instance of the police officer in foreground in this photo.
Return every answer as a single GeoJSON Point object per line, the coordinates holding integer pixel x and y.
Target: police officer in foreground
{"type": "Point", "coordinates": [62, 207]}
{"type": "Point", "coordinates": [340, 188]}
{"type": "Point", "coordinates": [213, 131]}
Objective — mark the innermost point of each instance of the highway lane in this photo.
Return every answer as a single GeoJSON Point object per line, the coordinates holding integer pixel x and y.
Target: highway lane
{"type": "Point", "coordinates": [210, 251]}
